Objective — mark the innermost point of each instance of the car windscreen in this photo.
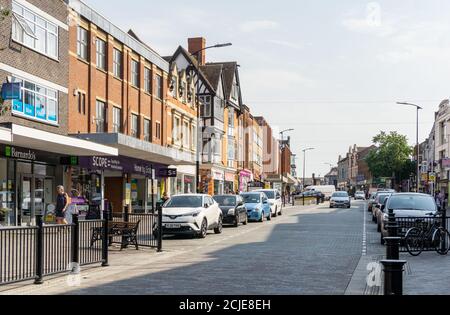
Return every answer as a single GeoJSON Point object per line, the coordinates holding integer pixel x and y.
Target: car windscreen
{"type": "Point", "coordinates": [340, 195]}
{"type": "Point", "coordinates": [226, 201]}
{"type": "Point", "coordinates": [270, 194]}
{"type": "Point", "coordinates": [252, 198]}
{"type": "Point", "coordinates": [410, 202]}
{"type": "Point", "coordinates": [382, 198]}
{"type": "Point", "coordinates": [184, 202]}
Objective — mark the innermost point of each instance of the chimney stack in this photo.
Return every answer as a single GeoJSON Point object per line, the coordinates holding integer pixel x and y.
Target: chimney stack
{"type": "Point", "coordinates": [195, 45]}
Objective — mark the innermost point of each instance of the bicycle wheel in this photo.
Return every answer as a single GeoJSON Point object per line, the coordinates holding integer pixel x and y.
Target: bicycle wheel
{"type": "Point", "coordinates": [441, 241]}
{"type": "Point", "coordinates": [414, 241]}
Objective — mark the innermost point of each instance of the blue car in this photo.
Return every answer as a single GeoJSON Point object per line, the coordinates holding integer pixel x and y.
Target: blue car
{"type": "Point", "coordinates": [257, 206]}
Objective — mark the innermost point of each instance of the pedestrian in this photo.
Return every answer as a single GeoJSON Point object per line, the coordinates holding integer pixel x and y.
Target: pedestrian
{"type": "Point", "coordinates": [62, 203]}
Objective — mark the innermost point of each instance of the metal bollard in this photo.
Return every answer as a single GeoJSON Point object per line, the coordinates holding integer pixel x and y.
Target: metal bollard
{"type": "Point", "coordinates": [393, 276]}
{"type": "Point", "coordinates": [126, 214]}
{"type": "Point", "coordinates": [105, 238]}
{"type": "Point", "coordinates": [75, 238]}
{"type": "Point", "coordinates": [392, 241]}
{"type": "Point", "coordinates": [39, 250]}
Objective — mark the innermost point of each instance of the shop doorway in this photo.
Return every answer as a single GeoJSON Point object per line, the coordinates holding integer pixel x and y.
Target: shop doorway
{"type": "Point", "coordinates": [36, 194]}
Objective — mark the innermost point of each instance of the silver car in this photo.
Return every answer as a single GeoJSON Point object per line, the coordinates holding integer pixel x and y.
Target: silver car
{"type": "Point", "coordinates": [340, 199]}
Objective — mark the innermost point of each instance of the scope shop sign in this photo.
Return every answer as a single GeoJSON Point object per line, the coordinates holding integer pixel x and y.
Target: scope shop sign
{"type": "Point", "coordinates": [120, 164]}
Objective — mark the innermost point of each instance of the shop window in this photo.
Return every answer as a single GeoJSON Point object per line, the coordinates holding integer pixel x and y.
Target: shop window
{"type": "Point", "coordinates": [37, 102]}
{"type": "Point", "coordinates": [189, 184]}
{"type": "Point", "coordinates": [7, 188]}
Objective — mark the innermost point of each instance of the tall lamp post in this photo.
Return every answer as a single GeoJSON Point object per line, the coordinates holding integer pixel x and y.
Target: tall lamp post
{"type": "Point", "coordinates": [304, 164]}
{"type": "Point", "coordinates": [199, 131]}
{"type": "Point", "coordinates": [417, 140]}
{"type": "Point", "coordinates": [283, 132]}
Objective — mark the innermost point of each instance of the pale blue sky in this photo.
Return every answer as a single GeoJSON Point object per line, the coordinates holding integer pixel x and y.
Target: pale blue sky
{"type": "Point", "coordinates": [332, 70]}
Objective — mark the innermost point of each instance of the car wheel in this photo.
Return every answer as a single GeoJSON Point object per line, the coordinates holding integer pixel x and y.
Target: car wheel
{"type": "Point", "coordinates": [246, 220]}
{"type": "Point", "coordinates": [269, 217]}
{"type": "Point", "coordinates": [281, 211]}
{"type": "Point", "coordinates": [276, 212]}
{"type": "Point", "coordinates": [262, 217]}
{"type": "Point", "coordinates": [237, 220]}
{"type": "Point", "coordinates": [219, 228]}
{"type": "Point", "coordinates": [203, 229]}
{"type": "Point", "coordinates": [378, 228]}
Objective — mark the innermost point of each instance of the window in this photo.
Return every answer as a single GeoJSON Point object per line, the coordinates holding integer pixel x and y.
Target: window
{"type": "Point", "coordinates": [158, 130]}
{"type": "Point", "coordinates": [174, 86]}
{"type": "Point", "coordinates": [100, 116]}
{"type": "Point", "coordinates": [147, 130]}
{"type": "Point", "coordinates": [37, 102]}
{"type": "Point", "coordinates": [235, 92]}
{"type": "Point", "coordinates": [231, 117]}
{"type": "Point", "coordinates": [193, 137]}
{"type": "Point", "coordinates": [101, 54]}
{"type": "Point", "coordinates": [205, 107]}
{"type": "Point", "coordinates": [159, 87]}
{"type": "Point", "coordinates": [82, 43]}
{"type": "Point", "coordinates": [34, 32]}
{"type": "Point", "coordinates": [147, 80]}
{"type": "Point", "coordinates": [185, 91]}
{"type": "Point", "coordinates": [186, 134]}
{"type": "Point", "coordinates": [134, 125]}
{"type": "Point", "coordinates": [176, 129]}
{"type": "Point", "coordinates": [135, 73]}
{"type": "Point", "coordinates": [81, 103]}
{"type": "Point", "coordinates": [117, 63]}
{"type": "Point", "coordinates": [117, 120]}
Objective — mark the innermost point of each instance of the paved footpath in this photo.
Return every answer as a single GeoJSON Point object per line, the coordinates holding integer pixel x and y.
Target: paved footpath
{"type": "Point", "coordinates": [308, 250]}
{"type": "Point", "coordinates": [428, 274]}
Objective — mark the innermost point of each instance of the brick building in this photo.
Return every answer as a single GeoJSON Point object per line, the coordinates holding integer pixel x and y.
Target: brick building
{"type": "Point", "coordinates": [119, 96]}
{"type": "Point", "coordinates": [34, 141]}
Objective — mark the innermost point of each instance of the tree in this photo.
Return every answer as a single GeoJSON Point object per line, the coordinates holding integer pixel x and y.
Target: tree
{"type": "Point", "coordinates": [392, 157]}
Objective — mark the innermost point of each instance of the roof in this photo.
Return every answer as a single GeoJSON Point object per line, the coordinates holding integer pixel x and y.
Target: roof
{"type": "Point", "coordinates": [229, 72]}
{"type": "Point", "coordinates": [213, 73]}
{"type": "Point", "coordinates": [181, 50]}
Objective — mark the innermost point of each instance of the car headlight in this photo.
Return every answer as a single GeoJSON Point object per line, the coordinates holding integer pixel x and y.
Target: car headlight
{"type": "Point", "coordinates": [192, 214]}
{"type": "Point", "coordinates": [231, 212]}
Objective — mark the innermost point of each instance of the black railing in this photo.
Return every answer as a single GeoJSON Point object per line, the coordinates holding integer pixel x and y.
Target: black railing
{"type": "Point", "coordinates": [404, 224]}
{"type": "Point", "coordinates": [147, 234]}
{"type": "Point", "coordinates": [17, 254]}
{"type": "Point", "coordinates": [34, 252]}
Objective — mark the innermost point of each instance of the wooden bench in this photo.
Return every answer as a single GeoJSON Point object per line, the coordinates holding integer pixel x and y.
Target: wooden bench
{"type": "Point", "coordinates": [127, 231]}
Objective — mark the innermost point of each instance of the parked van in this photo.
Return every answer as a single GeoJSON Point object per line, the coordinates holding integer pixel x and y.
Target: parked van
{"type": "Point", "coordinates": [327, 190]}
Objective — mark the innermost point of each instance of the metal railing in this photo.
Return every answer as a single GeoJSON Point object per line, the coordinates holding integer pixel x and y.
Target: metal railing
{"type": "Point", "coordinates": [17, 254]}
{"type": "Point", "coordinates": [35, 252]}
{"type": "Point", "coordinates": [424, 223]}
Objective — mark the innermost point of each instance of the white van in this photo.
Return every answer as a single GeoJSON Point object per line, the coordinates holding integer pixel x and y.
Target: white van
{"type": "Point", "coordinates": [327, 190]}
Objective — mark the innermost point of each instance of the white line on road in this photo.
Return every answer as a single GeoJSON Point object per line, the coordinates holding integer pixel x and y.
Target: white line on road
{"type": "Point", "coordinates": [364, 242]}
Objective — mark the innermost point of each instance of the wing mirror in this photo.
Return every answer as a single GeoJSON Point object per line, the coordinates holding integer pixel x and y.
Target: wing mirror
{"type": "Point", "coordinates": [205, 206]}
{"type": "Point", "coordinates": [383, 208]}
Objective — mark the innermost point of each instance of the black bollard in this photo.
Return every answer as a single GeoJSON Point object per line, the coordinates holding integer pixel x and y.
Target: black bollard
{"type": "Point", "coordinates": [393, 276]}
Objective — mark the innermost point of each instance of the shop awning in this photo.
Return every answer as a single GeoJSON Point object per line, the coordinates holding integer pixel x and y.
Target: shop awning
{"type": "Point", "coordinates": [46, 141]}
{"type": "Point", "coordinates": [138, 149]}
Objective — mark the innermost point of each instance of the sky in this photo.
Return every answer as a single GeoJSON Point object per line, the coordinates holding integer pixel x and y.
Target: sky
{"type": "Point", "coordinates": [332, 70]}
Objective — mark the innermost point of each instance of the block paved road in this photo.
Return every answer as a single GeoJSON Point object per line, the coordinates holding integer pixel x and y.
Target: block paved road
{"type": "Point", "coordinates": [308, 250]}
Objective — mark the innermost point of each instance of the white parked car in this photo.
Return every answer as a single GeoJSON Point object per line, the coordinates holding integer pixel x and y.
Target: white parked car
{"type": "Point", "coordinates": [191, 214]}
{"type": "Point", "coordinates": [274, 198]}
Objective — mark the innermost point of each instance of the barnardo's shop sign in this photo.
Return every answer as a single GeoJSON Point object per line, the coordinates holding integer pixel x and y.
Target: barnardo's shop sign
{"type": "Point", "coordinates": [120, 164]}
{"type": "Point", "coordinates": [27, 154]}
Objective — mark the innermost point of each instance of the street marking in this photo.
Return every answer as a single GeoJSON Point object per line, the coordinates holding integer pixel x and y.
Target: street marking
{"type": "Point", "coordinates": [364, 241]}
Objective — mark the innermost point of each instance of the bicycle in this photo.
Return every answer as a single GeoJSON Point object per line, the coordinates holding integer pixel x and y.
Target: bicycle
{"type": "Point", "coordinates": [435, 236]}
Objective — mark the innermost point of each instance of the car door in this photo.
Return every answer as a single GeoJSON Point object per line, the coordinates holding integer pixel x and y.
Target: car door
{"type": "Point", "coordinates": [278, 200]}
{"type": "Point", "coordinates": [211, 211]}
{"type": "Point", "coordinates": [266, 205]}
{"type": "Point", "coordinates": [241, 207]}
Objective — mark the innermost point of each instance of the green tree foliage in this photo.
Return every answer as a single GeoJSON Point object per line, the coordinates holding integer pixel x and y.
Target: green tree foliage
{"type": "Point", "coordinates": [392, 157]}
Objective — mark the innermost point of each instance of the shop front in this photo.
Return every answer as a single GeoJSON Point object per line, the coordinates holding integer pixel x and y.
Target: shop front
{"type": "Point", "coordinates": [121, 181]}
{"type": "Point", "coordinates": [212, 181]}
{"type": "Point", "coordinates": [229, 183]}
{"type": "Point", "coordinates": [245, 177]}
{"type": "Point", "coordinates": [184, 183]}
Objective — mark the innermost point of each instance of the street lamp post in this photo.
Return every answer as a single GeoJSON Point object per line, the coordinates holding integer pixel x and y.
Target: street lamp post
{"type": "Point", "coordinates": [304, 164]}
{"type": "Point", "coordinates": [199, 131]}
{"type": "Point", "coordinates": [417, 140]}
